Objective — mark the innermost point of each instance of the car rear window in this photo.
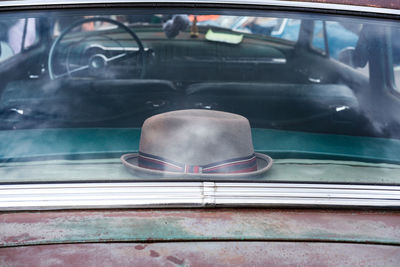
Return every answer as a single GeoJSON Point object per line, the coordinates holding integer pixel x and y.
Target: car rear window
{"type": "Point", "coordinates": [138, 94]}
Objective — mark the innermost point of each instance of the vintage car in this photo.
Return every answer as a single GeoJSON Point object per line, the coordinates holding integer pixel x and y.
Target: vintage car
{"type": "Point", "coordinates": [133, 133]}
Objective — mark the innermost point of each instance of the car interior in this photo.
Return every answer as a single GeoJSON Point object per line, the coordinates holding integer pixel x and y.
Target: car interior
{"type": "Point", "coordinates": [275, 83]}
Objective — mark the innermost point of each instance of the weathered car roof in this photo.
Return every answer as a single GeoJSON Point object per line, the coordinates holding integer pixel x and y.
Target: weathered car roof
{"type": "Point", "coordinates": [370, 6]}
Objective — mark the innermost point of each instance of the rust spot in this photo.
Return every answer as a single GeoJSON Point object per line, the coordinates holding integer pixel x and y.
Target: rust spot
{"type": "Point", "coordinates": [171, 214]}
{"type": "Point", "coordinates": [140, 247]}
{"type": "Point", "coordinates": [175, 260]}
{"type": "Point", "coordinates": [19, 238]}
{"type": "Point", "coordinates": [154, 254]}
{"type": "Point", "coordinates": [21, 218]}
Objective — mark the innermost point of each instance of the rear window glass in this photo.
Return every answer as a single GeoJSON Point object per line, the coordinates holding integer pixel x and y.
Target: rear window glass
{"type": "Point", "coordinates": [111, 94]}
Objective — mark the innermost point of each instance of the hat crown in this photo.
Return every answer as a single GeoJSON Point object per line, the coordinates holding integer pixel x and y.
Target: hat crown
{"type": "Point", "coordinates": [196, 137]}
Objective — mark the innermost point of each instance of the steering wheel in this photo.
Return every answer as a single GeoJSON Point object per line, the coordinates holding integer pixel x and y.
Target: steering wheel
{"type": "Point", "coordinates": [98, 62]}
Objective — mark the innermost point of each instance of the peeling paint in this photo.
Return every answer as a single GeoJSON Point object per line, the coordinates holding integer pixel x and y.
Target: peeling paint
{"type": "Point", "coordinates": [149, 225]}
{"type": "Point", "coordinates": [154, 254]}
{"type": "Point", "coordinates": [203, 254]}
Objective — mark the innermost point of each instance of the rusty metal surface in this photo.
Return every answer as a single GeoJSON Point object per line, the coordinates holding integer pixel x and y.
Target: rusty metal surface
{"type": "Point", "coordinates": [202, 254]}
{"type": "Point", "coordinates": [33, 228]}
{"type": "Point", "coordinates": [394, 4]}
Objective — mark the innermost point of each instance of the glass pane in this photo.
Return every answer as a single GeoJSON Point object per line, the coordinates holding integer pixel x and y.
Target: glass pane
{"type": "Point", "coordinates": [341, 36]}
{"type": "Point", "coordinates": [283, 28]}
{"type": "Point", "coordinates": [395, 39]}
{"type": "Point", "coordinates": [318, 41]}
{"type": "Point", "coordinates": [16, 32]}
{"type": "Point", "coordinates": [75, 100]}
{"type": "Point", "coordinates": [289, 30]}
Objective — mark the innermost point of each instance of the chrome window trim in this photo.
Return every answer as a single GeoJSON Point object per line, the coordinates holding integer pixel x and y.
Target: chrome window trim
{"type": "Point", "coordinates": [196, 194]}
{"type": "Point", "coordinates": [276, 3]}
{"type": "Point", "coordinates": [193, 195]}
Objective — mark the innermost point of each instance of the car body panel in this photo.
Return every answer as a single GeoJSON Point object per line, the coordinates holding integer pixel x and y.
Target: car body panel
{"type": "Point", "coordinates": [202, 254]}
{"type": "Point", "coordinates": [75, 142]}
{"type": "Point", "coordinates": [169, 225]}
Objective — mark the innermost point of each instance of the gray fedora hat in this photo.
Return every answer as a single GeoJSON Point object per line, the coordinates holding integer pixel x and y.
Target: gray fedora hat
{"type": "Point", "coordinates": [196, 143]}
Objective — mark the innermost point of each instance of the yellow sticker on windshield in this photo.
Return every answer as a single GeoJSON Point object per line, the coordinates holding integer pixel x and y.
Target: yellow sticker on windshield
{"type": "Point", "coordinates": [224, 37]}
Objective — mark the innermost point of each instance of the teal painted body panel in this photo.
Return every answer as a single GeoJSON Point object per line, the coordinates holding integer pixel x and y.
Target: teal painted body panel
{"type": "Point", "coordinates": [62, 143]}
{"type": "Point", "coordinates": [290, 144]}
{"type": "Point", "coordinates": [150, 225]}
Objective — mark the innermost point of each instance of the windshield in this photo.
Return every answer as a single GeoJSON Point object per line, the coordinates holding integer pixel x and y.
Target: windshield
{"type": "Point", "coordinates": [138, 94]}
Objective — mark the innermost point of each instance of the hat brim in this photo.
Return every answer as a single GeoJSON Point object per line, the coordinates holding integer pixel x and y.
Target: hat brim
{"type": "Point", "coordinates": [130, 161]}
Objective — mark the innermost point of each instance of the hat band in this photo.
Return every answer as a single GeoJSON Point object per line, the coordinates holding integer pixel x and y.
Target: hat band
{"type": "Point", "coordinates": [235, 165]}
